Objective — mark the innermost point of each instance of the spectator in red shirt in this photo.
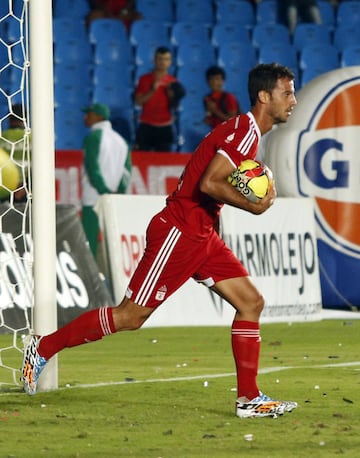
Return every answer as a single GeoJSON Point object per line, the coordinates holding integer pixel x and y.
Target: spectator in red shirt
{"type": "Point", "coordinates": [219, 104]}
{"type": "Point", "coordinates": [124, 10]}
{"type": "Point", "coordinates": [157, 93]}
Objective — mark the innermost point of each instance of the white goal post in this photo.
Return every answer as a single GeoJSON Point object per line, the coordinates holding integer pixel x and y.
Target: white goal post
{"type": "Point", "coordinates": [27, 164]}
{"type": "Point", "coordinates": [43, 177]}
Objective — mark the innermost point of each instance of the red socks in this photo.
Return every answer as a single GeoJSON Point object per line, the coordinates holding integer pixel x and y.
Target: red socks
{"type": "Point", "coordinates": [88, 327]}
{"type": "Point", "coordinates": [245, 337]}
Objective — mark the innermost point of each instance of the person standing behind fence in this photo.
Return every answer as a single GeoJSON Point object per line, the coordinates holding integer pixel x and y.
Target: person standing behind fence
{"type": "Point", "coordinates": [158, 94]}
{"type": "Point", "coordinates": [104, 170]}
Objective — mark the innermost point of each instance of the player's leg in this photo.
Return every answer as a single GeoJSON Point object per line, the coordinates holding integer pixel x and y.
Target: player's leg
{"type": "Point", "coordinates": [232, 282]}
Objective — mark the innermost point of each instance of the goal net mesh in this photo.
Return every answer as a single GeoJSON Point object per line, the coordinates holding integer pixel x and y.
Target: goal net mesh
{"type": "Point", "coordinates": [16, 254]}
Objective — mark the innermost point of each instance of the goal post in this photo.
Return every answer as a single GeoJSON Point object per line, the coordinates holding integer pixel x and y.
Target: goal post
{"type": "Point", "coordinates": [43, 177]}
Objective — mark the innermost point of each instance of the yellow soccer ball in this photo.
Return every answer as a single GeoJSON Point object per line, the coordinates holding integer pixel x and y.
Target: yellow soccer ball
{"type": "Point", "coordinates": [9, 175]}
{"type": "Point", "coordinates": [252, 179]}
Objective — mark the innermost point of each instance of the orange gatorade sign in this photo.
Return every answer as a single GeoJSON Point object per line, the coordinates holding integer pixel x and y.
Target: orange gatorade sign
{"type": "Point", "coordinates": [317, 155]}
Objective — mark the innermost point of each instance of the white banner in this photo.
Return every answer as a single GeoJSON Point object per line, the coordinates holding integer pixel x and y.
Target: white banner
{"type": "Point", "coordinates": [278, 248]}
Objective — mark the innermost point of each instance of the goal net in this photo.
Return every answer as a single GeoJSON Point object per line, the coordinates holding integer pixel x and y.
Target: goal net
{"type": "Point", "coordinates": [17, 193]}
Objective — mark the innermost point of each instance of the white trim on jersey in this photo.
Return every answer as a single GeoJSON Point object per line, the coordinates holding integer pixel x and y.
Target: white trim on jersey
{"type": "Point", "coordinates": [157, 267]}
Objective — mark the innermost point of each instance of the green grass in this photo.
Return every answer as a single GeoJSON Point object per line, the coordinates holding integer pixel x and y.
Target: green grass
{"type": "Point", "coordinates": [150, 399]}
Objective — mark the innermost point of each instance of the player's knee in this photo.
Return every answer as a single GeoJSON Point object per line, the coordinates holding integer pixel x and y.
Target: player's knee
{"type": "Point", "coordinates": [259, 303]}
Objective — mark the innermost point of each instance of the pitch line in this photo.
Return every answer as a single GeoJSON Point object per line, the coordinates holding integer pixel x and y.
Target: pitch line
{"type": "Point", "coordinates": [266, 370]}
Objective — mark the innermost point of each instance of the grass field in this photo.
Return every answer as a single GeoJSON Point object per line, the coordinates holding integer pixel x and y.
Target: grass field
{"type": "Point", "coordinates": [143, 394]}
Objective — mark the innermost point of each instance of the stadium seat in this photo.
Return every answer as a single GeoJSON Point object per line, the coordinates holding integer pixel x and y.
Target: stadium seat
{"type": "Point", "coordinates": [350, 56]}
{"type": "Point", "coordinates": [269, 33]}
{"type": "Point", "coordinates": [106, 29]}
{"type": "Point", "coordinates": [113, 51]}
{"type": "Point", "coordinates": [72, 73]}
{"type": "Point", "coordinates": [149, 32]}
{"type": "Point", "coordinates": [200, 11]}
{"type": "Point", "coordinates": [283, 53]}
{"type": "Point", "coordinates": [310, 73]}
{"type": "Point", "coordinates": [194, 79]}
{"type": "Point", "coordinates": [306, 34]}
{"type": "Point", "coordinates": [69, 128]}
{"type": "Point", "coordinates": [319, 56]}
{"type": "Point", "coordinates": [200, 54]}
{"type": "Point", "coordinates": [236, 82]}
{"type": "Point", "coordinates": [236, 55]}
{"type": "Point", "coordinates": [348, 13]}
{"type": "Point", "coordinates": [112, 73]}
{"type": "Point", "coordinates": [68, 95]}
{"type": "Point", "coordinates": [184, 32]}
{"type": "Point", "coordinates": [327, 12]}
{"type": "Point", "coordinates": [66, 28]}
{"type": "Point", "coordinates": [156, 10]}
{"type": "Point", "coordinates": [71, 8]}
{"type": "Point", "coordinates": [117, 97]}
{"type": "Point", "coordinates": [238, 11]}
{"type": "Point", "coordinates": [346, 35]}
{"type": "Point", "coordinates": [229, 32]}
{"type": "Point", "coordinates": [266, 12]}
{"type": "Point", "coordinates": [192, 129]}
{"type": "Point", "coordinates": [73, 51]}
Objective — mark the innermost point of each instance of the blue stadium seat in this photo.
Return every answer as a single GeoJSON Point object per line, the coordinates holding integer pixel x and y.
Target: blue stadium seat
{"type": "Point", "coordinates": [346, 35]}
{"type": "Point", "coordinates": [348, 13]}
{"type": "Point", "coordinates": [238, 11]}
{"type": "Point", "coordinates": [71, 8]}
{"type": "Point", "coordinates": [106, 29]}
{"type": "Point", "coordinates": [327, 12]}
{"type": "Point", "coordinates": [200, 11]}
{"type": "Point", "coordinates": [112, 73]}
{"type": "Point", "coordinates": [192, 130]}
{"type": "Point", "coordinates": [69, 128]}
{"type": "Point", "coordinates": [319, 56]}
{"type": "Point", "coordinates": [306, 34]}
{"type": "Point", "coordinates": [149, 32]}
{"type": "Point", "coordinates": [66, 28]}
{"type": "Point", "coordinates": [73, 51]}
{"type": "Point", "coordinates": [183, 32]}
{"type": "Point", "coordinates": [72, 73]}
{"type": "Point", "coordinates": [117, 97]}
{"type": "Point", "coordinates": [200, 54]}
{"type": "Point", "coordinates": [236, 82]}
{"type": "Point", "coordinates": [350, 56]}
{"type": "Point", "coordinates": [156, 10]}
{"type": "Point", "coordinates": [223, 33]}
{"type": "Point", "coordinates": [236, 55]}
{"type": "Point", "coordinates": [68, 95]}
{"type": "Point", "coordinates": [266, 12]}
{"type": "Point", "coordinates": [194, 81]}
{"type": "Point", "coordinates": [269, 33]}
{"type": "Point", "coordinates": [283, 53]}
{"type": "Point", "coordinates": [310, 73]}
{"type": "Point", "coordinates": [113, 51]}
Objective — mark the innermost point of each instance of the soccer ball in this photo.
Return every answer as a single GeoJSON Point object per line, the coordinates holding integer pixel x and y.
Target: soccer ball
{"type": "Point", "coordinates": [251, 178]}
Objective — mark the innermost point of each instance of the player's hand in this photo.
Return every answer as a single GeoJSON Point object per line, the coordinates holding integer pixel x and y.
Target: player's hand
{"type": "Point", "coordinates": [261, 205]}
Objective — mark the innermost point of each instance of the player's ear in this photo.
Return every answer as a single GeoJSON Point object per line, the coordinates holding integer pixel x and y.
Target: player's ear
{"type": "Point", "coordinates": [263, 96]}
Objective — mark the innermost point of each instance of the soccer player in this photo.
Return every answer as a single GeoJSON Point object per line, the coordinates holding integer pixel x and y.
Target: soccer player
{"type": "Point", "coordinates": [183, 242]}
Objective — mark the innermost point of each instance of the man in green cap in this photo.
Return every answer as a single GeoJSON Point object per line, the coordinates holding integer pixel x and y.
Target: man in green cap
{"type": "Point", "coordinates": [106, 169]}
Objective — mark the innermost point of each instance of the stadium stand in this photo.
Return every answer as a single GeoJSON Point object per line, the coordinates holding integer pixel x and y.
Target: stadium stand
{"type": "Point", "coordinates": [237, 35]}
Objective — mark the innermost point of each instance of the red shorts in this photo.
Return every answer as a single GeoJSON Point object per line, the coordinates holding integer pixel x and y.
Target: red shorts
{"type": "Point", "coordinates": [171, 258]}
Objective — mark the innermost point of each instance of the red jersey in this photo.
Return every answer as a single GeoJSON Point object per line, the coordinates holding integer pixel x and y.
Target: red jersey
{"type": "Point", "coordinates": [226, 102]}
{"type": "Point", "coordinates": [195, 213]}
{"type": "Point", "coordinates": [156, 111]}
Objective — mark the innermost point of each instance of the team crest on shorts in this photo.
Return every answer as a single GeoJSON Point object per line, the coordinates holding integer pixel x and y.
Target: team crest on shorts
{"type": "Point", "coordinates": [161, 293]}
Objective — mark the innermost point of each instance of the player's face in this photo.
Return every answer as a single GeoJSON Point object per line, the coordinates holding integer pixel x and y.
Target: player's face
{"type": "Point", "coordinates": [282, 100]}
{"type": "Point", "coordinates": [163, 61]}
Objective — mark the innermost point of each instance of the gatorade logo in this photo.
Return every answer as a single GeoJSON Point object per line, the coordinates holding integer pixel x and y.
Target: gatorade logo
{"type": "Point", "coordinates": [328, 164]}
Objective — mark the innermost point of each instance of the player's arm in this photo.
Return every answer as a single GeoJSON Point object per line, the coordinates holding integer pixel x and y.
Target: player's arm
{"type": "Point", "coordinates": [214, 183]}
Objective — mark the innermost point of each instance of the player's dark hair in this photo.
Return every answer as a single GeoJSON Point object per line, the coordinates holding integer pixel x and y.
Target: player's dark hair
{"type": "Point", "coordinates": [162, 50]}
{"type": "Point", "coordinates": [214, 70]}
{"type": "Point", "coordinates": [263, 77]}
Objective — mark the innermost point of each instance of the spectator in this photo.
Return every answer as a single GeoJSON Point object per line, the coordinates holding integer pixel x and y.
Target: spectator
{"type": "Point", "coordinates": [158, 93]}
{"type": "Point", "coordinates": [124, 10]}
{"type": "Point", "coordinates": [295, 11]}
{"type": "Point", "coordinates": [219, 104]}
{"type": "Point", "coordinates": [105, 156]}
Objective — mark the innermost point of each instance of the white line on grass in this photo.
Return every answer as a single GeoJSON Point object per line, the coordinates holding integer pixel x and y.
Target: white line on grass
{"type": "Point", "coordinates": [266, 370]}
